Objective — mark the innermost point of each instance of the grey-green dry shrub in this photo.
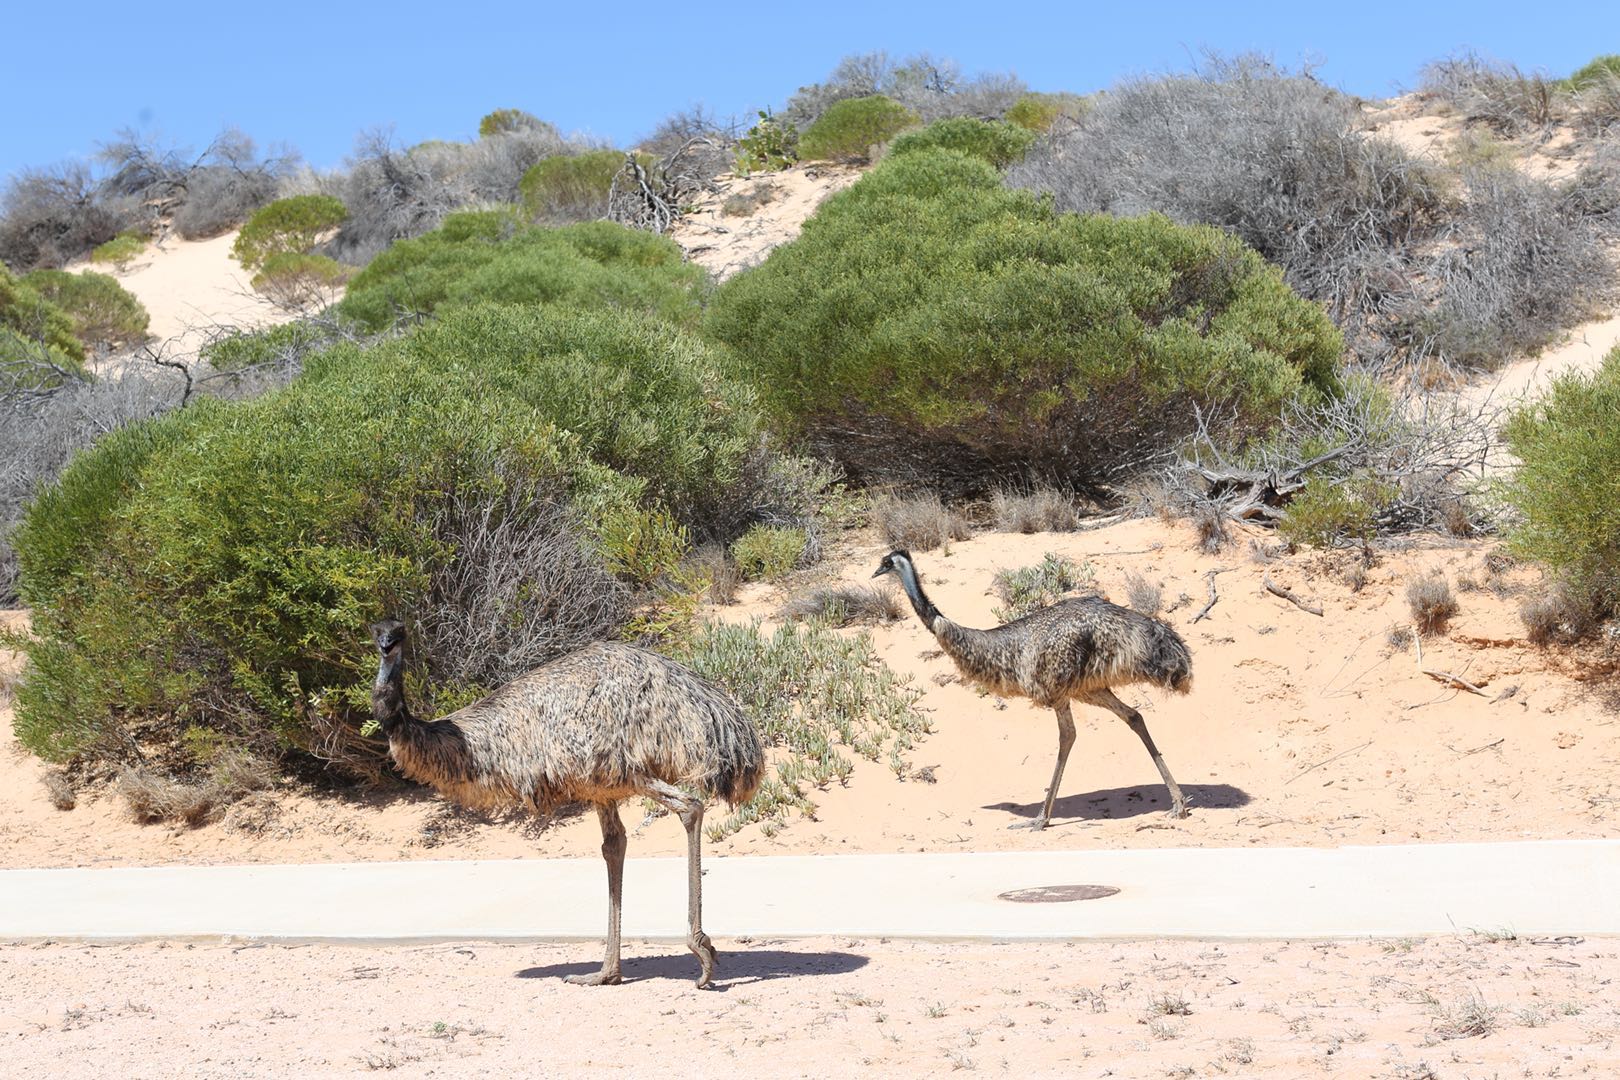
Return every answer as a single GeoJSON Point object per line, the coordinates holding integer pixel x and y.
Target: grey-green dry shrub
{"type": "Point", "coordinates": [1495, 93]}
{"type": "Point", "coordinates": [566, 188]}
{"type": "Point", "coordinates": [849, 129]}
{"type": "Point", "coordinates": [932, 87]}
{"type": "Point", "coordinates": [996, 141]}
{"type": "Point", "coordinates": [1031, 588]}
{"type": "Point", "coordinates": [104, 314]}
{"type": "Point", "coordinates": [930, 325]}
{"type": "Point", "coordinates": [1431, 602]}
{"type": "Point", "coordinates": [1567, 487]}
{"type": "Point", "coordinates": [1042, 509]}
{"type": "Point", "coordinates": [744, 203]}
{"type": "Point", "coordinates": [51, 216]}
{"type": "Point", "coordinates": [482, 477]}
{"type": "Point", "coordinates": [819, 696]}
{"type": "Point", "coordinates": [918, 522]}
{"type": "Point", "coordinates": [510, 121]}
{"type": "Point", "coordinates": [1144, 596]}
{"type": "Point", "coordinates": [490, 255]}
{"type": "Point", "coordinates": [845, 605]}
{"type": "Point", "coordinates": [767, 552]}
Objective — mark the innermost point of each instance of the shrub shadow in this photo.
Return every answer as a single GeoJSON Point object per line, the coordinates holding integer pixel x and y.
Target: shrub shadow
{"type": "Point", "coordinates": [733, 968]}
{"type": "Point", "coordinates": [1127, 802]}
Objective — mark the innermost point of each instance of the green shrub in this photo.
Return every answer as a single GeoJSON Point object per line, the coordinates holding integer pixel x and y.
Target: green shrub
{"type": "Point", "coordinates": [563, 188]}
{"type": "Point", "coordinates": [1567, 487]}
{"type": "Point", "coordinates": [849, 129]}
{"type": "Point", "coordinates": [1038, 112]}
{"type": "Point", "coordinates": [1599, 70]}
{"type": "Point", "coordinates": [292, 225]}
{"type": "Point", "coordinates": [1333, 510]}
{"type": "Point", "coordinates": [490, 255]}
{"type": "Point", "coordinates": [283, 346]}
{"type": "Point", "coordinates": [1031, 588]}
{"type": "Point", "coordinates": [296, 280]}
{"type": "Point", "coordinates": [511, 121]}
{"type": "Point", "coordinates": [767, 551]}
{"type": "Point", "coordinates": [25, 315]}
{"type": "Point", "coordinates": [769, 146]}
{"type": "Point", "coordinates": [103, 312]}
{"type": "Point", "coordinates": [929, 321]}
{"type": "Point", "coordinates": [995, 141]}
{"type": "Point", "coordinates": [216, 567]}
{"type": "Point", "coordinates": [121, 250]}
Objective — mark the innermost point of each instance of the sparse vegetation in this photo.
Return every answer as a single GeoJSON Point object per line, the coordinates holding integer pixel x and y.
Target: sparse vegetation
{"type": "Point", "coordinates": [848, 130]}
{"type": "Point", "coordinates": [1034, 587]}
{"type": "Point", "coordinates": [511, 121]}
{"type": "Point", "coordinates": [104, 314]}
{"type": "Point", "coordinates": [932, 87]}
{"type": "Point", "coordinates": [918, 522]}
{"type": "Point", "coordinates": [1144, 596]}
{"type": "Point", "coordinates": [1043, 509]}
{"type": "Point", "coordinates": [1431, 602]}
{"type": "Point", "coordinates": [814, 693]}
{"type": "Point", "coordinates": [744, 203]}
{"type": "Point", "coordinates": [996, 141]}
{"type": "Point", "coordinates": [766, 552]}
{"type": "Point", "coordinates": [844, 605]}
{"type": "Point", "coordinates": [1494, 93]}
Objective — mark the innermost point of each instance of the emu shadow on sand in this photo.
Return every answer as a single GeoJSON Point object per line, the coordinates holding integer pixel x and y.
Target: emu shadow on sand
{"type": "Point", "coordinates": [597, 725]}
{"type": "Point", "coordinates": [1075, 650]}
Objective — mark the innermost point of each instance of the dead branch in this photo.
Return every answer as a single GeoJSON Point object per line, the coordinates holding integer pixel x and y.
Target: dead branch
{"type": "Point", "coordinates": [1445, 677]}
{"type": "Point", "coordinates": [1213, 596]}
{"type": "Point", "coordinates": [1327, 761]}
{"type": "Point", "coordinates": [1277, 590]}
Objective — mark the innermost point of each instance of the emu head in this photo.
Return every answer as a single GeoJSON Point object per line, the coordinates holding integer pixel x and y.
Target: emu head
{"type": "Point", "coordinates": [389, 636]}
{"type": "Point", "coordinates": [891, 562]}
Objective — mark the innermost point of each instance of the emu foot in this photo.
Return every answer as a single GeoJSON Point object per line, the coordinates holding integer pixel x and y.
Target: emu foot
{"type": "Point", "coordinates": [703, 949]}
{"type": "Point", "coordinates": [605, 977]}
{"type": "Point", "coordinates": [1178, 809]}
{"type": "Point", "coordinates": [1033, 823]}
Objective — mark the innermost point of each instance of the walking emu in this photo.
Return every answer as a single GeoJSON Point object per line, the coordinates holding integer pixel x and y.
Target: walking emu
{"type": "Point", "coordinates": [596, 725]}
{"type": "Point", "coordinates": [1074, 650]}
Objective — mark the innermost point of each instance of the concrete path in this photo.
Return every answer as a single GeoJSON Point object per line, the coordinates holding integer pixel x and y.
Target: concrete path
{"type": "Point", "coordinates": [1534, 888]}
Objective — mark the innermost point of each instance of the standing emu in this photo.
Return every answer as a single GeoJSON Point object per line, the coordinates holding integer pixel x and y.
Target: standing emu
{"type": "Point", "coordinates": [597, 725]}
{"type": "Point", "coordinates": [1074, 650]}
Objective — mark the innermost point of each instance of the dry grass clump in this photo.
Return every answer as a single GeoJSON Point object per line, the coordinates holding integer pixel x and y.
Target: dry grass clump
{"type": "Point", "coordinates": [59, 789]}
{"type": "Point", "coordinates": [1556, 618]}
{"type": "Point", "coordinates": [744, 203]}
{"type": "Point", "coordinates": [1040, 510]}
{"type": "Point", "coordinates": [1144, 596]}
{"type": "Point", "coordinates": [710, 562]}
{"type": "Point", "coordinates": [844, 605]}
{"type": "Point", "coordinates": [152, 797]}
{"type": "Point", "coordinates": [1034, 587]}
{"type": "Point", "coordinates": [1432, 602]}
{"type": "Point", "coordinates": [1495, 93]}
{"type": "Point", "coordinates": [1467, 1018]}
{"type": "Point", "coordinates": [918, 522]}
{"type": "Point", "coordinates": [1210, 526]}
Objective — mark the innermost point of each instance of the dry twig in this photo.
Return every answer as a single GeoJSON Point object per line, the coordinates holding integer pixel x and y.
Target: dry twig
{"type": "Point", "coordinates": [1277, 590]}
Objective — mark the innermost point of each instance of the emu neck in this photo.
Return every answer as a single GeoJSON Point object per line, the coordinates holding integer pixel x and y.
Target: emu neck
{"type": "Point", "coordinates": [924, 607]}
{"type": "Point", "coordinates": [388, 695]}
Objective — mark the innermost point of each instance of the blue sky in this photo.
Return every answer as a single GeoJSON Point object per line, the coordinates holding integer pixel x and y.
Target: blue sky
{"type": "Point", "coordinates": [315, 75]}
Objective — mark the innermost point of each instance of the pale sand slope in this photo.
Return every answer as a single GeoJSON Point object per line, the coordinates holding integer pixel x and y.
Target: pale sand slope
{"type": "Point", "coordinates": [1277, 693]}
{"type": "Point", "coordinates": [723, 243]}
{"type": "Point", "coordinates": [818, 1008]}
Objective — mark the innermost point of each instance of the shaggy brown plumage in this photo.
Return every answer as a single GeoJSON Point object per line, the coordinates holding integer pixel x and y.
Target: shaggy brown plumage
{"type": "Point", "coordinates": [597, 725]}
{"type": "Point", "coordinates": [1074, 650]}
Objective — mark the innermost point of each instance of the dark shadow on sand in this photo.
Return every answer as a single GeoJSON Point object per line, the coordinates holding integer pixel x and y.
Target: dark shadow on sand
{"type": "Point", "coordinates": [1129, 802]}
{"type": "Point", "coordinates": [735, 967]}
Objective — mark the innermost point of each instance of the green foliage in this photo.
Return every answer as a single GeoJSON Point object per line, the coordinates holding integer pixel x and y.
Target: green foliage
{"type": "Point", "coordinates": [33, 327]}
{"type": "Point", "coordinates": [1334, 509]}
{"type": "Point", "coordinates": [1031, 588]}
{"type": "Point", "coordinates": [849, 129]}
{"type": "Point", "coordinates": [490, 255]}
{"type": "Point", "coordinates": [121, 250]}
{"type": "Point", "coordinates": [235, 551]}
{"type": "Point", "coordinates": [1038, 112]}
{"type": "Point", "coordinates": [972, 330]}
{"type": "Point", "coordinates": [507, 121]}
{"type": "Point", "coordinates": [272, 346]}
{"type": "Point", "coordinates": [102, 311]}
{"type": "Point", "coordinates": [293, 279]}
{"type": "Point", "coordinates": [1600, 69]}
{"type": "Point", "coordinates": [769, 146]}
{"type": "Point", "coordinates": [768, 551]}
{"type": "Point", "coordinates": [570, 188]}
{"type": "Point", "coordinates": [287, 226]}
{"type": "Point", "coordinates": [814, 693]}
{"type": "Point", "coordinates": [995, 141]}
{"type": "Point", "coordinates": [1567, 487]}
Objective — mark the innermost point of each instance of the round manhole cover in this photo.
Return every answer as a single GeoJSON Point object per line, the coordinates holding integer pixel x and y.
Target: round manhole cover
{"type": "Point", "coordinates": [1058, 894]}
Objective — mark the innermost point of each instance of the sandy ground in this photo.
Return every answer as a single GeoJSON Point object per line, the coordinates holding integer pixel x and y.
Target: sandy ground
{"type": "Point", "coordinates": [1300, 730]}
{"type": "Point", "coordinates": [725, 243]}
{"type": "Point", "coordinates": [1463, 1007]}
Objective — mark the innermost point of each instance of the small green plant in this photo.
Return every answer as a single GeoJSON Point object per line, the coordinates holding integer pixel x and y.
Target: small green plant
{"type": "Point", "coordinates": [1034, 587]}
{"type": "Point", "coordinates": [768, 551]}
{"type": "Point", "coordinates": [294, 280]}
{"type": "Point", "coordinates": [995, 141]}
{"type": "Point", "coordinates": [815, 694]}
{"type": "Point", "coordinates": [121, 250]}
{"type": "Point", "coordinates": [849, 129]}
{"type": "Point", "coordinates": [1327, 513]}
{"type": "Point", "coordinates": [1039, 112]}
{"type": "Point", "coordinates": [287, 226]}
{"type": "Point", "coordinates": [104, 314]}
{"type": "Point", "coordinates": [770, 146]}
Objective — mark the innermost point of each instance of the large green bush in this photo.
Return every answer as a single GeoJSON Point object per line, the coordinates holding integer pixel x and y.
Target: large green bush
{"type": "Point", "coordinates": [1567, 487]}
{"type": "Point", "coordinates": [216, 568]}
{"type": "Point", "coordinates": [570, 188]}
{"type": "Point", "coordinates": [849, 129]}
{"type": "Point", "coordinates": [287, 226]}
{"type": "Point", "coordinates": [102, 311]}
{"type": "Point", "coordinates": [928, 320]}
{"type": "Point", "coordinates": [492, 255]}
{"type": "Point", "coordinates": [35, 336]}
{"type": "Point", "coordinates": [995, 141]}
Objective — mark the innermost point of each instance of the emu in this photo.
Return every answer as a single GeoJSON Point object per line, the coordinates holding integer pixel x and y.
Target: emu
{"type": "Point", "coordinates": [1075, 650]}
{"type": "Point", "coordinates": [597, 725]}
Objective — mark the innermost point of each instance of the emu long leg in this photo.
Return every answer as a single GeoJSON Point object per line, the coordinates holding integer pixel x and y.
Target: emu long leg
{"type": "Point", "coordinates": [613, 844]}
{"type": "Point", "coordinates": [1065, 721]}
{"type": "Point", "coordinates": [1106, 698]}
{"type": "Point", "coordinates": [690, 811]}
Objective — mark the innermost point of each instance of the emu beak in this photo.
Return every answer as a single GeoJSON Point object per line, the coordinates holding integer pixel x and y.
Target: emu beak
{"type": "Point", "coordinates": [880, 572]}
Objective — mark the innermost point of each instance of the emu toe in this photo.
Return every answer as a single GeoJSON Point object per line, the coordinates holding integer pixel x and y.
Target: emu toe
{"type": "Point", "coordinates": [1033, 823]}
{"type": "Point", "coordinates": [703, 949]}
{"type": "Point", "coordinates": [595, 978]}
